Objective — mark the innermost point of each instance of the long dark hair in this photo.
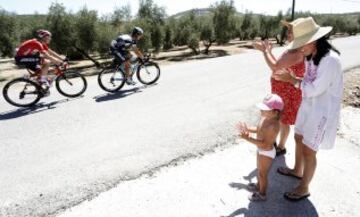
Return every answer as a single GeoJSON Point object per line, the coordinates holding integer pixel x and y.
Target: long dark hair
{"type": "Point", "coordinates": [323, 47]}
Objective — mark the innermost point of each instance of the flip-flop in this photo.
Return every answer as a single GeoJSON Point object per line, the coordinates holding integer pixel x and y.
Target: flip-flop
{"type": "Point", "coordinates": [286, 172]}
{"type": "Point", "coordinates": [295, 197]}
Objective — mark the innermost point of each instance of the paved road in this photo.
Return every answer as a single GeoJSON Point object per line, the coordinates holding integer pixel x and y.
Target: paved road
{"type": "Point", "coordinates": [56, 155]}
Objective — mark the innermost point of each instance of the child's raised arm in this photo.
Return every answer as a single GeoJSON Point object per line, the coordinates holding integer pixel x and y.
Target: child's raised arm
{"type": "Point", "coordinates": [269, 135]}
{"type": "Point", "coordinates": [241, 126]}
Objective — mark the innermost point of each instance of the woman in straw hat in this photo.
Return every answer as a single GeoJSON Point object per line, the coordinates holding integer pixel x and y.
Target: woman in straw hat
{"type": "Point", "coordinates": [322, 87]}
{"type": "Point", "coordinates": [294, 61]}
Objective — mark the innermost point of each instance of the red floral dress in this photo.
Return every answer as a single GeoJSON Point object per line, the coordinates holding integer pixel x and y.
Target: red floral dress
{"type": "Point", "coordinates": [289, 94]}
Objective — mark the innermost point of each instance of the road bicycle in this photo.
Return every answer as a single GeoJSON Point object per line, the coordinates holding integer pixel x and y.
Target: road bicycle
{"type": "Point", "coordinates": [28, 90]}
{"type": "Point", "coordinates": [112, 78]}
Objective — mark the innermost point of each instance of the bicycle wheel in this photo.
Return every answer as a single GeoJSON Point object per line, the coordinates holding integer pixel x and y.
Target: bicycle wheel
{"type": "Point", "coordinates": [22, 92]}
{"type": "Point", "coordinates": [148, 73]}
{"type": "Point", "coordinates": [71, 84]}
{"type": "Point", "coordinates": [111, 80]}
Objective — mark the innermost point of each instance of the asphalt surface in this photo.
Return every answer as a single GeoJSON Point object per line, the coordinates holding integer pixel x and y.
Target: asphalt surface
{"type": "Point", "coordinates": [64, 151]}
{"type": "Point", "coordinates": [214, 185]}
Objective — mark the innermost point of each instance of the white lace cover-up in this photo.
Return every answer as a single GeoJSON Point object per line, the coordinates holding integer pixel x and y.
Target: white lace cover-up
{"type": "Point", "coordinates": [318, 116]}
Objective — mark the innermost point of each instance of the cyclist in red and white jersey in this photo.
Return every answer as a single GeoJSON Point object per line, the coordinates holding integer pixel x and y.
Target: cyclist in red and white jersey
{"type": "Point", "coordinates": [36, 55]}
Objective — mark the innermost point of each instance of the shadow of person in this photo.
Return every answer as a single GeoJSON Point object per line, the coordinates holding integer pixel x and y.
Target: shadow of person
{"type": "Point", "coordinates": [276, 204]}
{"type": "Point", "coordinates": [118, 95]}
{"type": "Point", "coordinates": [251, 175]}
{"type": "Point", "coordinates": [249, 178]}
{"type": "Point", "coordinates": [40, 107]}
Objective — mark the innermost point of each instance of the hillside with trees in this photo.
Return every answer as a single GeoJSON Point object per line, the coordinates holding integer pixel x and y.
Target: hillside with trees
{"type": "Point", "coordinates": [84, 33]}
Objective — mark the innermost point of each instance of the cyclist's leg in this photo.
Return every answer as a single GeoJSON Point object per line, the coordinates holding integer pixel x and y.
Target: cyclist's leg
{"type": "Point", "coordinates": [127, 68]}
{"type": "Point", "coordinates": [121, 58]}
{"type": "Point", "coordinates": [45, 65]}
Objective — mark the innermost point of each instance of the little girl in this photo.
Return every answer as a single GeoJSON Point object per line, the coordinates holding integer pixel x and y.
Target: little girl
{"type": "Point", "coordinates": [266, 132]}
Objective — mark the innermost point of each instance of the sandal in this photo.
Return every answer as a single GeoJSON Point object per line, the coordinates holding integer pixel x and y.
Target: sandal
{"type": "Point", "coordinates": [256, 196]}
{"type": "Point", "coordinates": [287, 172]}
{"type": "Point", "coordinates": [291, 196]}
{"type": "Point", "coordinates": [252, 187]}
{"type": "Point", "coordinates": [280, 151]}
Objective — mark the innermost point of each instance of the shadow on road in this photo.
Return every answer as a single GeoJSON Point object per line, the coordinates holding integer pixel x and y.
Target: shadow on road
{"type": "Point", "coordinates": [276, 204]}
{"type": "Point", "coordinates": [40, 107]}
{"type": "Point", "coordinates": [121, 94]}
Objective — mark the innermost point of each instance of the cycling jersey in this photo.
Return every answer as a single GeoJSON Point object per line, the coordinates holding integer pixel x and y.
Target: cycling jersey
{"type": "Point", "coordinates": [31, 47]}
{"type": "Point", "coordinates": [28, 54]}
{"type": "Point", "coordinates": [121, 46]}
{"type": "Point", "coordinates": [123, 42]}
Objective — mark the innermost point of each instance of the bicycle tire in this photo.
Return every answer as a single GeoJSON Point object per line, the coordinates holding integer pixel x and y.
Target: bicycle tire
{"type": "Point", "coordinates": [148, 64]}
{"type": "Point", "coordinates": [116, 87]}
{"type": "Point", "coordinates": [38, 92]}
{"type": "Point", "coordinates": [67, 76]}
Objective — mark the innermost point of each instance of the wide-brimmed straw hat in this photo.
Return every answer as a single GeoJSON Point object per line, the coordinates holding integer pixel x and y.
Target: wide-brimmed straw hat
{"type": "Point", "coordinates": [305, 31]}
{"type": "Point", "coordinates": [285, 23]}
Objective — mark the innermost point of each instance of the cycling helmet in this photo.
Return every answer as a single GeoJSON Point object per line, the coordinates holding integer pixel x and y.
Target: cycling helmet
{"type": "Point", "coordinates": [137, 31]}
{"type": "Point", "coordinates": [43, 33]}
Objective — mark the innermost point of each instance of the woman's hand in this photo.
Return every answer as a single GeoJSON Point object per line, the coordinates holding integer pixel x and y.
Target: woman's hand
{"type": "Point", "coordinates": [259, 45]}
{"type": "Point", "coordinates": [268, 45]}
{"type": "Point", "coordinates": [284, 75]}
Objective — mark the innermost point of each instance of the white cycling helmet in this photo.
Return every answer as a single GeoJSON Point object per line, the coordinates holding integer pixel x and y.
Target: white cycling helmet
{"type": "Point", "coordinates": [137, 31]}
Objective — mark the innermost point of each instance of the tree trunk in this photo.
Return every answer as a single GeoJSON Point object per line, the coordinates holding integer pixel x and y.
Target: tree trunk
{"type": "Point", "coordinates": [97, 64]}
{"type": "Point", "coordinates": [207, 46]}
{"type": "Point", "coordinates": [196, 52]}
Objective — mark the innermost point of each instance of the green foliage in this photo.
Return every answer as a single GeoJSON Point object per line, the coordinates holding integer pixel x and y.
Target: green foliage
{"type": "Point", "coordinates": [193, 43]}
{"type": "Point", "coordinates": [187, 31]}
{"type": "Point", "coordinates": [269, 26]}
{"type": "Point", "coordinates": [61, 25]}
{"type": "Point", "coordinates": [85, 28]}
{"type": "Point", "coordinates": [7, 33]}
{"type": "Point", "coordinates": [27, 25]}
{"type": "Point", "coordinates": [351, 27]}
{"type": "Point", "coordinates": [224, 21]}
{"type": "Point", "coordinates": [151, 18]}
{"type": "Point", "coordinates": [145, 42]}
{"type": "Point", "coordinates": [120, 15]}
{"type": "Point", "coordinates": [105, 35]}
{"type": "Point", "coordinates": [182, 31]}
{"type": "Point", "coordinates": [249, 28]}
{"type": "Point", "coordinates": [207, 34]}
{"type": "Point", "coordinates": [168, 40]}
{"type": "Point", "coordinates": [245, 27]}
{"type": "Point", "coordinates": [156, 37]}
{"type": "Point", "coordinates": [77, 34]}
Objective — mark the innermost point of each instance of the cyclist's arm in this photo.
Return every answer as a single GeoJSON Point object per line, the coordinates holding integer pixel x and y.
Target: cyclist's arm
{"type": "Point", "coordinates": [138, 52]}
{"type": "Point", "coordinates": [52, 58]}
{"type": "Point", "coordinates": [53, 53]}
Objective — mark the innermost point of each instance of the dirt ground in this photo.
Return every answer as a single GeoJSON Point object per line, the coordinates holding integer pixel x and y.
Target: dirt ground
{"type": "Point", "coordinates": [352, 88]}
